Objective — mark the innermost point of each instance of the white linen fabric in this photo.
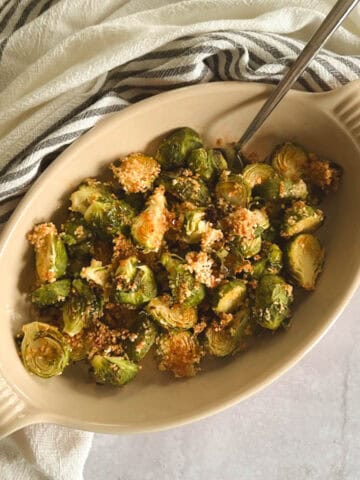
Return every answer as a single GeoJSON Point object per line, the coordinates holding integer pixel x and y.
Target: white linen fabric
{"type": "Point", "coordinates": [66, 64]}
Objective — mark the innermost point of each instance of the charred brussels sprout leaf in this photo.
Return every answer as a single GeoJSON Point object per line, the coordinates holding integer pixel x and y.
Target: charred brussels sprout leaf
{"type": "Point", "coordinates": [229, 296]}
{"type": "Point", "coordinates": [50, 253]}
{"type": "Point", "coordinates": [179, 353]}
{"type": "Point", "coordinates": [135, 283]}
{"type": "Point", "coordinates": [232, 190]}
{"type": "Point", "coordinates": [184, 287]}
{"type": "Point", "coordinates": [148, 228]}
{"type": "Point", "coordinates": [290, 161]}
{"type": "Point", "coordinates": [136, 172]}
{"type": "Point", "coordinates": [175, 148]}
{"type": "Point", "coordinates": [221, 341]}
{"type": "Point", "coordinates": [51, 293]}
{"type": "Point", "coordinates": [257, 173]}
{"type": "Point", "coordinates": [186, 187]}
{"type": "Point", "coordinates": [114, 371]}
{"type": "Point", "coordinates": [82, 307]}
{"type": "Point", "coordinates": [206, 163]}
{"type": "Point", "coordinates": [171, 315]}
{"type": "Point", "coordinates": [44, 350]}
{"type": "Point", "coordinates": [304, 260]}
{"type": "Point", "coordinates": [299, 218]}
{"type": "Point", "coordinates": [272, 301]}
{"type": "Point", "coordinates": [144, 337]}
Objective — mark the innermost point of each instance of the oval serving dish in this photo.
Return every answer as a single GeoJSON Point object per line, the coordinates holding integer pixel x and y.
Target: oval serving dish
{"type": "Point", "coordinates": [327, 123]}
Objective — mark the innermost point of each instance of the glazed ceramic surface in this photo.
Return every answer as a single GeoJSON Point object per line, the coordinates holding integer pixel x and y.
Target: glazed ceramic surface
{"type": "Point", "coordinates": [328, 124]}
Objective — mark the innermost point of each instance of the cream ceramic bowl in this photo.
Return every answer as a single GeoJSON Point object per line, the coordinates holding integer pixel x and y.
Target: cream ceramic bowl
{"type": "Point", "coordinates": [326, 123]}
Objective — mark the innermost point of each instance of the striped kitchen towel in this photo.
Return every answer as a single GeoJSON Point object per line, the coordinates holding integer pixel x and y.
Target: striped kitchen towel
{"type": "Point", "coordinates": [65, 64]}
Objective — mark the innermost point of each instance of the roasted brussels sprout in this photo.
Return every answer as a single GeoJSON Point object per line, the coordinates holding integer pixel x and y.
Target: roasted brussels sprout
{"type": "Point", "coordinates": [304, 259]}
{"type": "Point", "coordinates": [186, 187]}
{"type": "Point", "coordinates": [206, 163]}
{"type": "Point", "coordinates": [299, 218]}
{"type": "Point", "coordinates": [232, 190]}
{"type": "Point", "coordinates": [82, 307]}
{"type": "Point", "coordinates": [114, 371]}
{"type": "Point", "coordinates": [222, 340]}
{"type": "Point", "coordinates": [322, 173]}
{"type": "Point", "coordinates": [273, 298]}
{"type": "Point", "coordinates": [175, 148]}
{"type": "Point", "coordinates": [247, 247]}
{"type": "Point", "coordinates": [89, 192]}
{"type": "Point", "coordinates": [276, 188]}
{"type": "Point", "coordinates": [179, 353]}
{"type": "Point", "coordinates": [136, 172]}
{"type": "Point", "coordinates": [194, 225]}
{"type": "Point", "coordinates": [229, 296]}
{"type": "Point", "coordinates": [270, 261]}
{"type": "Point", "coordinates": [51, 293]}
{"type": "Point", "coordinates": [97, 273]}
{"type": "Point", "coordinates": [75, 231]}
{"type": "Point", "coordinates": [50, 253]}
{"type": "Point", "coordinates": [148, 228]}
{"type": "Point", "coordinates": [290, 161]}
{"type": "Point", "coordinates": [142, 340]}
{"type": "Point", "coordinates": [170, 315]}
{"type": "Point", "coordinates": [135, 283]}
{"type": "Point", "coordinates": [184, 287]}
{"type": "Point", "coordinates": [233, 157]}
{"type": "Point", "coordinates": [44, 350]}
{"type": "Point", "coordinates": [257, 173]}
{"type": "Point", "coordinates": [109, 218]}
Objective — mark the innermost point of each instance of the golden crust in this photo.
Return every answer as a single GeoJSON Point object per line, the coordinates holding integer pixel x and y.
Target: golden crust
{"type": "Point", "coordinates": [136, 172]}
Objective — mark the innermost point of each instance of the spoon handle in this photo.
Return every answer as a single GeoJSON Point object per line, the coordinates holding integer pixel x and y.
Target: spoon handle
{"type": "Point", "coordinates": [339, 12]}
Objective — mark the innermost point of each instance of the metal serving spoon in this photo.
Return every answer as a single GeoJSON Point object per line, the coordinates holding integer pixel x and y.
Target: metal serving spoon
{"type": "Point", "coordinates": [335, 17]}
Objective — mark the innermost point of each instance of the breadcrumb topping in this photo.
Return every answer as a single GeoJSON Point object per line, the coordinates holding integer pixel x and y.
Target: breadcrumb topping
{"type": "Point", "coordinates": [39, 233]}
{"type": "Point", "coordinates": [136, 172]}
{"type": "Point", "coordinates": [210, 237]}
{"type": "Point", "coordinates": [242, 222]}
{"type": "Point", "coordinates": [200, 263]}
{"type": "Point", "coordinates": [322, 174]}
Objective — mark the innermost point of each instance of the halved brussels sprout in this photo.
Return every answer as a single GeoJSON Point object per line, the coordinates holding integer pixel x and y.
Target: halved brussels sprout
{"type": "Point", "coordinates": [81, 308]}
{"type": "Point", "coordinates": [257, 173]}
{"type": "Point", "coordinates": [184, 287]}
{"type": "Point", "coordinates": [276, 188]}
{"type": "Point", "coordinates": [144, 337]}
{"type": "Point", "coordinates": [221, 340]}
{"type": "Point", "coordinates": [186, 187]}
{"type": "Point", "coordinates": [233, 157]}
{"type": "Point", "coordinates": [273, 298]}
{"type": "Point", "coordinates": [116, 371]}
{"type": "Point", "coordinates": [75, 230]}
{"type": "Point", "coordinates": [194, 225]}
{"type": "Point", "coordinates": [171, 315]}
{"type": "Point", "coordinates": [50, 253]}
{"type": "Point", "coordinates": [109, 218]}
{"type": "Point", "coordinates": [51, 293]}
{"type": "Point", "coordinates": [179, 353]}
{"type": "Point", "coordinates": [97, 273]}
{"type": "Point", "coordinates": [229, 296]}
{"type": "Point", "coordinates": [290, 160]}
{"type": "Point", "coordinates": [136, 172]}
{"type": "Point", "coordinates": [299, 218]}
{"type": "Point", "coordinates": [175, 148]}
{"type": "Point", "coordinates": [135, 283]}
{"type": "Point", "coordinates": [246, 247]}
{"type": "Point", "coordinates": [44, 350]}
{"type": "Point", "coordinates": [322, 173]}
{"type": "Point", "coordinates": [148, 228]}
{"type": "Point", "coordinates": [304, 259]}
{"type": "Point", "coordinates": [232, 190]}
{"type": "Point", "coordinates": [89, 192]}
{"type": "Point", "coordinates": [247, 224]}
{"type": "Point", "coordinates": [270, 260]}
{"type": "Point", "coordinates": [206, 163]}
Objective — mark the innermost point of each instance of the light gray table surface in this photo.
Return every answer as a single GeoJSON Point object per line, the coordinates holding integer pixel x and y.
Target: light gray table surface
{"type": "Point", "coordinates": [305, 426]}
